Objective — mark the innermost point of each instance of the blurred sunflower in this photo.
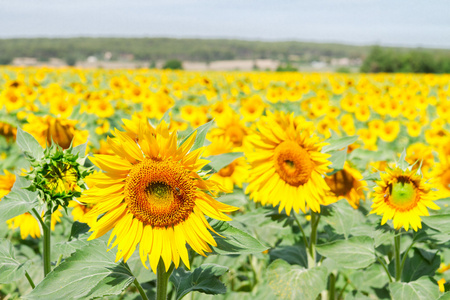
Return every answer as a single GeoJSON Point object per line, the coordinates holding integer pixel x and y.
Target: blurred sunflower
{"type": "Point", "coordinates": [61, 131]}
{"type": "Point", "coordinates": [287, 166]}
{"type": "Point", "coordinates": [404, 197]}
{"type": "Point", "coordinates": [346, 184]}
{"type": "Point", "coordinates": [6, 183]}
{"type": "Point", "coordinates": [151, 195]}
{"type": "Point", "coordinates": [29, 226]}
{"type": "Point", "coordinates": [233, 174]}
{"type": "Point", "coordinates": [80, 211]}
{"type": "Point", "coordinates": [441, 178]}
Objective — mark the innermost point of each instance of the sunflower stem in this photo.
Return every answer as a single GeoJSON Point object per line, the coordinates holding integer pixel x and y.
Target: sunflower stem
{"type": "Point", "coordinates": [162, 279]}
{"type": "Point", "coordinates": [305, 241]}
{"type": "Point", "coordinates": [313, 238]}
{"type": "Point", "coordinates": [30, 280]}
{"type": "Point", "coordinates": [47, 244]}
{"type": "Point", "coordinates": [332, 289]}
{"type": "Point", "coordinates": [384, 267]}
{"type": "Point", "coordinates": [140, 289]}
{"type": "Point", "coordinates": [398, 269]}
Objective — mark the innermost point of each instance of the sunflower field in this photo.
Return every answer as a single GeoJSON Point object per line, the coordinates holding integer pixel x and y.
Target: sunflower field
{"type": "Point", "coordinates": [151, 184]}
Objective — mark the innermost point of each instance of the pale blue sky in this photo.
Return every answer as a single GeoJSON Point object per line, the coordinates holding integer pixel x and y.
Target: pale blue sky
{"type": "Point", "coordinates": [387, 22]}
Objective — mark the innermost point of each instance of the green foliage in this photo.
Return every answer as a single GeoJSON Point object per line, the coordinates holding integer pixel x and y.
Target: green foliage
{"type": "Point", "coordinates": [218, 162]}
{"type": "Point", "coordinates": [204, 279]}
{"type": "Point", "coordinates": [286, 68]}
{"type": "Point", "coordinates": [422, 289]}
{"type": "Point", "coordinates": [200, 137]}
{"type": "Point", "coordinates": [11, 269]}
{"type": "Point", "coordinates": [294, 282]}
{"type": "Point", "coordinates": [88, 273]}
{"type": "Point", "coordinates": [236, 241]}
{"type": "Point", "coordinates": [412, 61]}
{"type": "Point", "coordinates": [18, 201]}
{"type": "Point", "coordinates": [355, 253]}
{"type": "Point", "coordinates": [28, 144]}
{"type": "Point", "coordinates": [173, 64]}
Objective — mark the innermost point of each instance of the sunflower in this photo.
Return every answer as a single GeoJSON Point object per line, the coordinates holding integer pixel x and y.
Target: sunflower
{"type": "Point", "coordinates": [151, 195]}
{"type": "Point", "coordinates": [29, 226]}
{"type": "Point", "coordinates": [287, 166]}
{"type": "Point", "coordinates": [6, 183]}
{"type": "Point", "coordinates": [441, 178]}
{"type": "Point", "coordinates": [404, 197]}
{"type": "Point", "coordinates": [80, 211]}
{"type": "Point", "coordinates": [233, 174]}
{"type": "Point", "coordinates": [346, 184]}
{"type": "Point", "coordinates": [62, 131]}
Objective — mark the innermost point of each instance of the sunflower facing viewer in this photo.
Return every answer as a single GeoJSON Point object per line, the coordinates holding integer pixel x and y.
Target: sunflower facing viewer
{"type": "Point", "coordinates": [151, 195]}
{"type": "Point", "coordinates": [287, 166]}
{"type": "Point", "coordinates": [403, 196]}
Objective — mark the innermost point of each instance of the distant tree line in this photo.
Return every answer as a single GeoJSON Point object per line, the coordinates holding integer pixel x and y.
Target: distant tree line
{"type": "Point", "coordinates": [413, 61]}
{"type": "Point", "coordinates": [152, 49]}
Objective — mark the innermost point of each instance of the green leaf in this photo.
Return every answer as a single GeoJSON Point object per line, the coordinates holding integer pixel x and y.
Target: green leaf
{"type": "Point", "coordinates": [27, 143]}
{"type": "Point", "coordinates": [77, 240]}
{"type": "Point", "coordinates": [338, 144]}
{"type": "Point", "coordinates": [201, 135]}
{"type": "Point", "coordinates": [90, 272]}
{"type": "Point", "coordinates": [295, 282]}
{"type": "Point", "coordinates": [166, 117]}
{"type": "Point", "coordinates": [218, 162]}
{"type": "Point", "coordinates": [422, 263]}
{"type": "Point", "coordinates": [402, 163]}
{"type": "Point", "coordinates": [342, 218]}
{"type": "Point", "coordinates": [440, 223]}
{"type": "Point", "coordinates": [294, 255]}
{"type": "Point", "coordinates": [10, 268]}
{"type": "Point", "coordinates": [18, 201]}
{"type": "Point", "coordinates": [337, 160]}
{"type": "Point", "coordinates": [236, 241]}
{"type": "Point", "coordinates": [355, 253]}
{"type": "Point", "coordinates": [445, 296]}
{"type": "Point", "coordinates": [422, 289]}
{"type": "Point", "coordinates": [204, 279]}
{"type": "Point", "coordinates": [80, 149]}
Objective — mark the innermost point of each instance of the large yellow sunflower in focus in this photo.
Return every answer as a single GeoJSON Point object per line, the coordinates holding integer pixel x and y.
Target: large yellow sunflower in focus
{"type": "Point", "coordinates": [287, 166]}
{"type": "Point", "coordinates": [151, 195]}
{"type": "Point", "coordinates": [404, 197]}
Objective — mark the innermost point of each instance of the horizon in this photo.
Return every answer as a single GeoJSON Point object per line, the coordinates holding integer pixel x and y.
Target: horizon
{"type": "Point", "coordinates": [331, 42]}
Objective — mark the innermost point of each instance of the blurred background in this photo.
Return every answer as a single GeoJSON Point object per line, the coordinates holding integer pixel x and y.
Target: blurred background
{"type": "Point", "coordinates": [284, 35]}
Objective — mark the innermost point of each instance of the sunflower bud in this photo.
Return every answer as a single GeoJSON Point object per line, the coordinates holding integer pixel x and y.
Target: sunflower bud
{"type": "Point", "coordinates": [58, 176]}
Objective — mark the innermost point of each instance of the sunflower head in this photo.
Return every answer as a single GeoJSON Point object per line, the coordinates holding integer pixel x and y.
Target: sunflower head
{"type": "Point", "coordinates": [57, 176]}
{"type": "Point", "coordinates": [346, 184]}
{"type": "Point", "coordinates": [152, 195]}
{"type": "Point", "coordinates": [287, 165]}
{"type": "Point", "coordinates": [403, 195]}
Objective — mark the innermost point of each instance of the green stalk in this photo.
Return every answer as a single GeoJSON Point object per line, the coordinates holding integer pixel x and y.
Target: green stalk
{"type": "Point", "coordinates": [384, 267]}
{"type": "Point", "coordinates": [46, 232]}
{"type": "Point", "coordinates": [305, 241]}
{"type": "Point", "coordinates": [140, 289]}
{"type": "Point", "coordinates": [30, 280]}
{"type": "Point", "coordinates": [332, 289]}
{"type": "Point", "coordinates": [313, 238]}
{"type": "Point", "coordinates": [162, 279]}
{"type": "Point", "coordinates": [398, 269]}
{"type": "Point", "coordinates": [47, 244]}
